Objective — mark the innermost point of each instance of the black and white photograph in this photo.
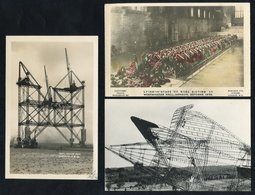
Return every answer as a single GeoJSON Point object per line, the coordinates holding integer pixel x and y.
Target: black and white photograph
{"type": "Point", "coordinates": [177, 49]}
{"type": "Point", "coordinates": [51, 107]}
{"type": "Point", "coordinates": [177, 145]}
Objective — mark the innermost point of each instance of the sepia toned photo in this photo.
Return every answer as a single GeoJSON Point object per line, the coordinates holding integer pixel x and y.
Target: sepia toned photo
{"type": "Point", "coordinates": [177, 49]}
{"type": "Point", "coordinates": [51, 107]}
{"type": "Point", "coordinates": [177, 145]}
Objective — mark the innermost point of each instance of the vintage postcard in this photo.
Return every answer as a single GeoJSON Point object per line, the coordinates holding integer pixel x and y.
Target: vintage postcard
{"type": "Point", "coordinates": [177, 145]}
{"type": "Point", "coordinates": [51, 107]}
{"type": "Point", "coordinates": [177, 49]}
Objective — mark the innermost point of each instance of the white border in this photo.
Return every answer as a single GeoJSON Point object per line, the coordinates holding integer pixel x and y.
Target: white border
{"type": "Point", "coordinates": [216, 91]}
{"type": "Point", "coordinates": [92, 39]}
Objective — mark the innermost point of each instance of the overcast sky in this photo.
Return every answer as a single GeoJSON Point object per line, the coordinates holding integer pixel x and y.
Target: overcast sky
{"type": "Point", "coordinates": [119, 129]}
{"type": "Point", "coordinates": [39, 52]}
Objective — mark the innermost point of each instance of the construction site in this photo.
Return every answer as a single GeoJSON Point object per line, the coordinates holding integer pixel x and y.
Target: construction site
{"type": "Point", "coordinates": [195, 153]}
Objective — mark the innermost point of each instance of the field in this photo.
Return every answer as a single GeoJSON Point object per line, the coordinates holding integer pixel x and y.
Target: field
{"type": "Point", "coordinates": [77, 161]}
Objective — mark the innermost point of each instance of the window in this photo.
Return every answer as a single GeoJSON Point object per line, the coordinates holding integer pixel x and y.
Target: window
{"type": "Point", "coordinates": [209, 15]}
{"type": "Point", "coordinates": [238, 12]}
{"type": "Point", "coordinates": [198, 13]}
{"type": "Point", "coordinates": [204, 14]}
{"type": "Point", "coordinates": [191, 12]}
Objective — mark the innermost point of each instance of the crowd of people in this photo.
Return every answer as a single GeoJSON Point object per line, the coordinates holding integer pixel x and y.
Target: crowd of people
{"type": "Point", "coordinates": [156, 68]}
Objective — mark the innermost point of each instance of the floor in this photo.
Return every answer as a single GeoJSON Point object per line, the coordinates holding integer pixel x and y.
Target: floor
{"type": "Point", "coordinates": [225, 71]}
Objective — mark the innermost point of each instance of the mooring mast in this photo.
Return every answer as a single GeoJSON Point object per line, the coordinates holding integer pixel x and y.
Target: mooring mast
{"type": "Point", "coordinates": [61, 107]}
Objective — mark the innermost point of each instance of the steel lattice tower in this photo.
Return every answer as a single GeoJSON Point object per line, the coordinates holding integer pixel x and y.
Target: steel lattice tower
{"type": "Point", "coordinates": [62, 108]}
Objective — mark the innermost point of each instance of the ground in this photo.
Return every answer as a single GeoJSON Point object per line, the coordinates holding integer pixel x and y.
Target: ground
{"type": "Point", "coordinates": [216, 178]}
{"type": "Point", "coordinates": [209, 185]}
{"type": "Point", "coordinates": [224, 71]}
{"type": "Point", "coordinates": [51, 161]}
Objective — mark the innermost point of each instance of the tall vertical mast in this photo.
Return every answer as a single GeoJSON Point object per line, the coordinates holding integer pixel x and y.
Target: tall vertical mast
{"type": "Point", "coordinates": [47, 83]}
{"type": "Point", "coordinates": [68, 68]}
{"type": "Point", "coordinates": [46, 78]}
{"type": "Point", "coordinates": [71, 99]}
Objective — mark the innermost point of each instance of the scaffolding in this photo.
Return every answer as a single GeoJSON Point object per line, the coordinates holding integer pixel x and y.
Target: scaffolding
{"type": "Point", "coordinates": [62, 107]}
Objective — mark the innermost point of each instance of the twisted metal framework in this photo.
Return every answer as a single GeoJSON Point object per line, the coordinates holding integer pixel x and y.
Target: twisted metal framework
{"type": "Point", "coordinates": [62, 108]}
{"type": "Point", "coordinates": [193, 141]}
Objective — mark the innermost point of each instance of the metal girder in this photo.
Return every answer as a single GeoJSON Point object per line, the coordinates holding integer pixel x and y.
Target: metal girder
{"type": "Point", "coordinates": [40, 112]}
